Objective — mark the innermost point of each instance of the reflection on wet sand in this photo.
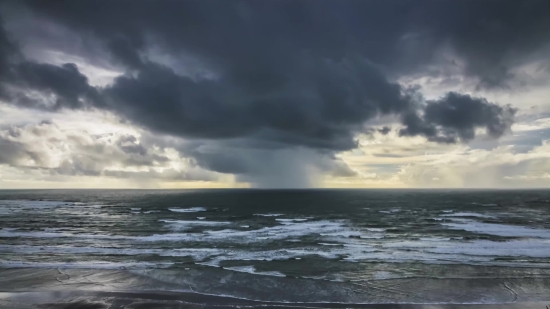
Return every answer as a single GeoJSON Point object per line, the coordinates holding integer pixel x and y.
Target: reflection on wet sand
{"type": "Point", "coordinates": [169, 300]}
{"type": "Point", "coordinates": [80, 288]}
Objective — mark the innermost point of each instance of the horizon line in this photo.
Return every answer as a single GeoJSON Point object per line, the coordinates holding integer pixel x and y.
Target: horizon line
{"type": "Point", "coordinates": [313, 188]}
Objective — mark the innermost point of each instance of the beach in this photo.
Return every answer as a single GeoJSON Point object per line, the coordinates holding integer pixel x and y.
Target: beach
{"type": "Point", "coordinates": [54, 288]}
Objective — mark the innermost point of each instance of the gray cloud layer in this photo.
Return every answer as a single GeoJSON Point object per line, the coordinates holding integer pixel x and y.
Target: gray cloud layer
{"type": "Point", "coordinates": [277, 75]}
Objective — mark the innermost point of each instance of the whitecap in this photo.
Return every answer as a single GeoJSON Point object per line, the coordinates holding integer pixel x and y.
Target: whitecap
{"type": "Point", "coordinates": [189, 223]}
{"type": "Point", "coordinates": [192, 209]}
{"type": "Point", "coordinates": [269, 215]}
{"type": "Point", "coordinates": [466, 214]}
{"type": "Point", "coordinates": [83, 265]}
{"type": "Point", "coordinates": [291, 220]}
{"type": "Point", "coordinates": [496, 229]}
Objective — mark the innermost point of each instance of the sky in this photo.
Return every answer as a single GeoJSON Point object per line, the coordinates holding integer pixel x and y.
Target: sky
{"type": "Point", "coordinates": [275, 94]}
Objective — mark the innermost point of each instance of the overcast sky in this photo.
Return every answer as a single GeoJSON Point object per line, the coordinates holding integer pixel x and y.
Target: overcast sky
{"type": "Point", "coordinates": [184, 94]}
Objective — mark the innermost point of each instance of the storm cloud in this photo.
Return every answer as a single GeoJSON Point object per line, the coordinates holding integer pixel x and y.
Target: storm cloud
{"type": "Point", "coordinates": [274, 90]}
{"type": "Point", "coordinates": [455, 117]}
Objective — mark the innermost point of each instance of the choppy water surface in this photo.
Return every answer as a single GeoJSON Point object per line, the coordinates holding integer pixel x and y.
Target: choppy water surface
{"type": "Point", "coordinates": [344, 236]}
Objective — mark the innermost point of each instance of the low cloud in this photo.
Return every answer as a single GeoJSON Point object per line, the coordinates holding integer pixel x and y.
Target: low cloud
{"type": "Point", "coordinates": [53, 151]}
{"type": "Point", "coordinates": [502, 167]}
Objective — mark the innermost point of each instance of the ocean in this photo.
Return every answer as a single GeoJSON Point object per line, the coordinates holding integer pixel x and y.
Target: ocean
{"type": "Point", "coordinates": [286, 246]}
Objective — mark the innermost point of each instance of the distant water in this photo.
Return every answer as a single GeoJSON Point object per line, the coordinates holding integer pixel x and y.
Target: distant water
{"type": "Point", "coordinates": [348, 239]}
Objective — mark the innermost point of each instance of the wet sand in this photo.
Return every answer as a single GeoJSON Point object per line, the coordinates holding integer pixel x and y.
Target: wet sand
{"type": "Point", "coordinates": [63, 288]}
{"type": "Point", "coordinates": [169, 300]}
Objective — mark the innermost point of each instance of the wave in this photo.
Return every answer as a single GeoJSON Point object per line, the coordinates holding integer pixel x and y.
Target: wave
{"type": "Point", "coordinates": [467, 214]}
{"type": "Point", "coordinates": [291, 220]}
{"type": "Point", "coordinates": [194, 222]}
{"type": "Point", "coordinates": [252, 270]}
{"type": "Point", "coordinates": [496, 229]}
{"type": "Point", "coordinates": [84, 265]}
{"type": "Point", "coordinates": [192, 209]}
{"type": "Point", "coordinates": [481, 252]}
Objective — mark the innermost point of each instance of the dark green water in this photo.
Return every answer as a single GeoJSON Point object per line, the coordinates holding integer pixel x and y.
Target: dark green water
{"type": "Point", "coordinates": [342, 237]}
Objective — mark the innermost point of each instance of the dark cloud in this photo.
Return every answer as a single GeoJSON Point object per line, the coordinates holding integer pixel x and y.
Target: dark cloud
{"type": "Point", "coordinates": [130, 145]}
{"type": "Point", "coordinates": [69, 87]}
{"type": "Point", "coordinates": [30, 84]}
{"type": "Point", "coordinates": [272, 76]}
{"type": "Point", "coordinates": [11, 152]}
{"type": "Point", "coordinates": [123, 51]}
{"type": "Point", "coordinates": [7, 51]}
{"type": "Point", "coordinates": [8, 48]}
{"type": "Point", "coordinates": [240, 36]}
{"type": "Point", "coordinates": [322, 103]}
{"type": "Point", "coordinates": [456, 117]}
{"type": "Point", "coordinates": [384, 130]}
